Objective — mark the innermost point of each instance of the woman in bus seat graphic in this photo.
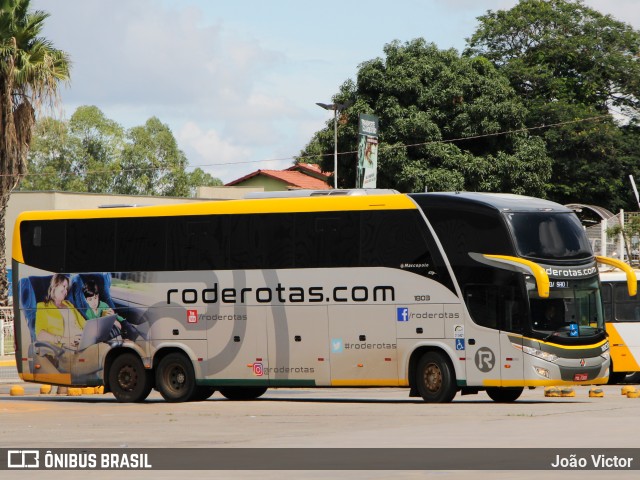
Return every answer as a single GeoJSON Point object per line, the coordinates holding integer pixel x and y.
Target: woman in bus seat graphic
{"type": "Point", "coordinates": [60, 324]}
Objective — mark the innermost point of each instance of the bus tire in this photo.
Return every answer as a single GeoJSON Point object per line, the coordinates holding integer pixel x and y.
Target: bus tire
{"type": "Point", "coordinates": [242, 393]}
{"type": "Point", "coordinates": [504, 394]}
{"type": "Point", "coordinates": [616, 377]}
{"type": "Point", "coordinates": [435, 378]}
{"type": "Point", "coordinates": [201, 393]}
{"type": "Point", "coordinates": [129, 381]}
{"type": "Point", "coordinates": [175, 379]}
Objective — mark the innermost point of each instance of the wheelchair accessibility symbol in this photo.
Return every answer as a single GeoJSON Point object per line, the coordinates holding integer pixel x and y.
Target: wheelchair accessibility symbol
{"type": "Point", "coordinates": [459, 343]}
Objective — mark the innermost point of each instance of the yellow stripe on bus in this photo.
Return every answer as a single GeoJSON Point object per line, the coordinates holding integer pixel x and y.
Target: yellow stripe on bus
{"type": "Point", "coordinates": [53, 378]}
{"type": "Point", "coordinates": [540, 383]}
{"type": "Point", "coordinates": [571, 347]}
{"type": "Point", "coordinates": [515, 337]}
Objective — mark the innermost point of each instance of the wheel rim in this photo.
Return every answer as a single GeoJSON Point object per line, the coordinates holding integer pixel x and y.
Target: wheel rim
{"type": "Point", "coordinates": [432, 377]}
{"type": "Point", "coordinates": [176, 377]}
{"type": "Point", "coordinates": [127, 378]}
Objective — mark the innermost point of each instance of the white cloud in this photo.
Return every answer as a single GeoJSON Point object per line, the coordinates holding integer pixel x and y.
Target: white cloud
{"type": "Point", "coordinates": [217, 156]}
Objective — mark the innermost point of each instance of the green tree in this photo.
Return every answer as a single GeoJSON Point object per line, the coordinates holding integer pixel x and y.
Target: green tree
{"type": "Point", "coordinates": [31, 69]}
{"type": "Point", "coordinates": [441, 122]}
{"type": "Point", "coordinates": [79, 155]}
{"type": "Point", "coordinates": [152, 163]}
{"type": "Point", "coordinates": [200, 178]}
{"type": "Point", "coordinates": [92, 153]}
{"type": "Point", "coordinates": [569, 63]}
{"type": "Point", "coordinates": [97, 142]}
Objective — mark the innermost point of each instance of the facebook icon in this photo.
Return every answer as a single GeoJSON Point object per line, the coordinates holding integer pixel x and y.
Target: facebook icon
{"type": "Point", "coordinates": [403, 314]}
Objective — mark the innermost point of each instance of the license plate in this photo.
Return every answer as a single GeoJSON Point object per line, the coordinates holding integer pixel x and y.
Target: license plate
{"type": "Point", "coordinates": [580, 377]}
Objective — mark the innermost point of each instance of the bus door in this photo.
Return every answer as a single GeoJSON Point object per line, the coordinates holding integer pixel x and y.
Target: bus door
{"type": "Point", "coordinates": [494, 354]}
{"type": "Point", "coordinates": [363, 345]}
{"type": "Point", "coordinates": [298, 343]}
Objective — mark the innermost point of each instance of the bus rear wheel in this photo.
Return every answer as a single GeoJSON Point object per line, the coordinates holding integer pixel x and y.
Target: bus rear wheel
{"type": "Point", "coordinates": [435, 378]}
{"type": "Point", "coordinates": [504, 394]}
{"type": "Point", "coordinates": [175, 379]}
{"type": "Point", "coordinates": [242, 393]}
{"type": "Point", "coordinates": [129, 381]}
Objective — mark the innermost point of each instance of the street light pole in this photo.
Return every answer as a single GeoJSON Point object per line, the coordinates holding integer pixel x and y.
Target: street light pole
{"type": "Point", "coordinates": [336, 107]}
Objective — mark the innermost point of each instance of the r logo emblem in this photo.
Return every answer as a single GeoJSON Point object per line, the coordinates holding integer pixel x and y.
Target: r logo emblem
{"type": "Point", "coordinates": [485, 359]}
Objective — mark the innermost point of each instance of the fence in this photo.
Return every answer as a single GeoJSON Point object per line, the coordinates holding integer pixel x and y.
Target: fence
{"type": "Point", "coordinates": [607, 246]}
{"type": "Point", "coordinates": [6, 337]}
{"type": "Point", "coordinates": [8, 372]}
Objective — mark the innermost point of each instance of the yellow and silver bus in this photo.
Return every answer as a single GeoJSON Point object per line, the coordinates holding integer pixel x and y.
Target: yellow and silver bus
{"type": "Point", "coordinates": [437, 292]}
{"type": "Point", "coordinates": [622, 317]}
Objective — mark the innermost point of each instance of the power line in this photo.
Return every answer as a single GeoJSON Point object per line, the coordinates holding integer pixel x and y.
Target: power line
{"type": "Point", "coordinates": [303, 157]}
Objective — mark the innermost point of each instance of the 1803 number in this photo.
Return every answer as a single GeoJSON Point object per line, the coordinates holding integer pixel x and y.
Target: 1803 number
{"type": "Point", "coordinates": [422, 298]}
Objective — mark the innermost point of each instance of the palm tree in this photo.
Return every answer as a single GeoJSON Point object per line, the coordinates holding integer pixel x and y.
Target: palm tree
{"type": "Point", "coordinates": [31, 70]}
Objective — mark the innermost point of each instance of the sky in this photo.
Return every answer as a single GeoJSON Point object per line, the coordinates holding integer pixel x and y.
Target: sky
{"type": "Point", "coordinates": [237, 81]}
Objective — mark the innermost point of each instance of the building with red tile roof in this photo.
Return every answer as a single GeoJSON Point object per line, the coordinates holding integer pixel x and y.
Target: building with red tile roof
{"type": "Point", "coordinates": [301, 175]}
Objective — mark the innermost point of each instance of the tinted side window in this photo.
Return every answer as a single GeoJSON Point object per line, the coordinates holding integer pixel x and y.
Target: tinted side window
{"type": "Point", "coordinates": [261, 241]}
{"type": "Point", "coordinates": [401, 239]}
{"type": "Point", "coordinates": [327, 239]}
{"type": "Point", "coordinates": [627, 309]}
{"type": "Point", "coordinates": [496, 307]}
{"type": "Point", "coordinates": [140, 244]}
{"type": "Point", "coordinates": [43, 244]}
{"type": "Point", "coordinates": [394, 239]}
{"type": "Point", "coordinates": [277, 240]}
{"type": "Point", "coordinates": [197, 243]}
{"type": "Point", "coordinates": [482, 302]}
{"type": "Point", "coordinates": [606, 299]}
{"type": "Point", "coordinates": [90, 245]}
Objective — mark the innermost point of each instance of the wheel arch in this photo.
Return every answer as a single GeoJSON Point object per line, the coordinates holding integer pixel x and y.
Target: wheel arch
{"type": "Point", "coordinates": [417, 354]}
{"type": "Point", "coordinates": [167, 349]}
{"type": "Point", "coordinates": [111, 356]}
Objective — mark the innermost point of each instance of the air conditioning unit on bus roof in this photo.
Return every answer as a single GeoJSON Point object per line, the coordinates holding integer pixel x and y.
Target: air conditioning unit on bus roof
{"type": "Point", "coordinates": [321, 193]}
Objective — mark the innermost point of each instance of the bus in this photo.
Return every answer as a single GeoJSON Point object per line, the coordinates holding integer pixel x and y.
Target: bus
{"type": "Point", "coordinates": [441, 293]}
{"type": "Point", "coordinates": [622, 321]}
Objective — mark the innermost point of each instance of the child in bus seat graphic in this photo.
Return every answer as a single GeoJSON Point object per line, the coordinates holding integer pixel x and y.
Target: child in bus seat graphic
{"type": "Point", "coordinates": [98, 308]}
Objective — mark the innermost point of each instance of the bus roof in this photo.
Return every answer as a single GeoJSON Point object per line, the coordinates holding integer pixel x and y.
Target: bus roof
{"type": "Point", "coordinates": [495, 201]}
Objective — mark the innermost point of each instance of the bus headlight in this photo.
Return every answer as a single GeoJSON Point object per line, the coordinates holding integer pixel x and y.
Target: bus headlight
{"type": "Point", "coordinates": [549, 357]}
{"type": "Point", "coordinates": [606, 355]}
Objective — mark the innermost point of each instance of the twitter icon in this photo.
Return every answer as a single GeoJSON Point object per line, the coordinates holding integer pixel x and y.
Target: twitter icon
{"type": "Point", "coordinates": [336, 345]}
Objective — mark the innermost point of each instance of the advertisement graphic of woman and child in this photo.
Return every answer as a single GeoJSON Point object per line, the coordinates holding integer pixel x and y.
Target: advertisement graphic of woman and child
{"type": "Point", "coordinates": [59, 323]}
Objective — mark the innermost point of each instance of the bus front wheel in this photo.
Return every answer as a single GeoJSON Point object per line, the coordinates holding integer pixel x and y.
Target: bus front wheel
{"type": "Point", "coordinates": [128, 379]}
{"type": "Point", "coordinates": [242, 393]}
{"type": "Point", "coordinates": [175, 379]}
{"type": "Point", "coordinates": [435, 378]}
{"type": "Point", "coordinates": [616, 377]}
{"type": "Point", "coordinates": [504, 394]}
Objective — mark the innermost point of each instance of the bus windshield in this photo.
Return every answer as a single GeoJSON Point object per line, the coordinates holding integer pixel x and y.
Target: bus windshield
{"type": "Point", "coordinates": [573, 309]}
{"type": "Point", "coordinates": [549, 235]}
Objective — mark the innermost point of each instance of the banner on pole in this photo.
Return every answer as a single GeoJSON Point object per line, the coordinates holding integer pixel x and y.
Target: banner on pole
{"type": "Point", "coordinates": [367, 151]}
